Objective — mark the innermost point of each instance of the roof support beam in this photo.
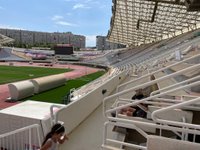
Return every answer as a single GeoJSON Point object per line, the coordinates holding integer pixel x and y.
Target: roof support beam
{"type": "Point", "coordinates": [174, 2]}
{"type": "Point", "coordinates": [143, 21]}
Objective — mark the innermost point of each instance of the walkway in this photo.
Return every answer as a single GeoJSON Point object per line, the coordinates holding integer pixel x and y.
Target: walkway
{"type": "Point", "coordinates": [78, 71]}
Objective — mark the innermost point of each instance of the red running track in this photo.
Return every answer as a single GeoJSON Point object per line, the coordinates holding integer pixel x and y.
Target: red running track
{"type": "Point", "coordinates": [78, 71]}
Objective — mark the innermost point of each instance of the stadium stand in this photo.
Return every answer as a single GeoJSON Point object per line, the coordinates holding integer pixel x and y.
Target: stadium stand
{"type": "Point", "coordinates": [165, 68]}
{"type": "Point", "coordinates": [7, 55]}
{"type": "Point", "coordinates": [140, 125]}
{"type": "Point", "coordinates": [21, 54]}
{"type": "Point", "coordinates": [160, 101]}
{"type": "Point", "coordinates": [4, 39]}
{"type": "Point", "coordinates": [157, 61]}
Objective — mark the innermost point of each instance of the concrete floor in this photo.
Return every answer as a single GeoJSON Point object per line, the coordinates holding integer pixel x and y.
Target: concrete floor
{"type": "Point", "coordinates": [89, 134]}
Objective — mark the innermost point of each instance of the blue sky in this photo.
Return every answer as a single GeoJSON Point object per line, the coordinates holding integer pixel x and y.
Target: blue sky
{"type": "Point", "coordinates": [84, 17]}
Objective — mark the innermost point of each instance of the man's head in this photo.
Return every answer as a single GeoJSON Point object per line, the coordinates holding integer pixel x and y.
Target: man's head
{"type": "Point", "coordinates": [138, 91]}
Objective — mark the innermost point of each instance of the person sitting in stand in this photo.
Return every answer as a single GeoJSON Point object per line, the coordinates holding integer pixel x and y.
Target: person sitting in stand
{"type": "Point", "coordinates": [140, 109]}
{"type": "Point", "coordinates": [135, 111]}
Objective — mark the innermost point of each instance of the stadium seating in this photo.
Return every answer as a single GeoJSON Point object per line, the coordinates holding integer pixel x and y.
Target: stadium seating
{"type": "Point", "coordinates": [4, 39]}
{"type": "Point", "coordinates": [149, 63]}
{"type": "Point", "coordinates": [161, 143]}
{"type": "Point", "coordinates": [6, 55]}
{"type": "Point", "coordinates": [172, 105]}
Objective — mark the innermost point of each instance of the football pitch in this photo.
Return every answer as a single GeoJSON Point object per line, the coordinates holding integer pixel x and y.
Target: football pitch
{"type": "Point", "coordinates": [57, 95]}
{"type": "Point", "coordinates": [13, 73]}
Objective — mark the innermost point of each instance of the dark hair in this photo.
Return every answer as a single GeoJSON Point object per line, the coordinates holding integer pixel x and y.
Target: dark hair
{"type": "Point", "coordinates": [57, 128]}
{"type": "Point", "coordinates": [113, 114]}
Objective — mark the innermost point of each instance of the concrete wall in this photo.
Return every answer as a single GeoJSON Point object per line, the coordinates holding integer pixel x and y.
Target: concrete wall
{"type": "Point", "coordinates": [79, 110]}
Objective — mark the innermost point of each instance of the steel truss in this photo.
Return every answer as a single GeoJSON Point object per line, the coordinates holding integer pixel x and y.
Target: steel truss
{"type": "Point", "coordinates": [136, 22]}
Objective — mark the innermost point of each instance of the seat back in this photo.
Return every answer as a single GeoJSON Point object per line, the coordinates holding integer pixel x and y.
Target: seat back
{"type": "Point", "coordinates": [173, 115]}
{"type": "Point", "coordinates": [143, 127]}
{"type": "Point", "coordinates": [162, 143]}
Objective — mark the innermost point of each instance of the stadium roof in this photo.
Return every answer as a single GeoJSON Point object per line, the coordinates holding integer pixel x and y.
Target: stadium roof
{"type": "Point", "coordinates": [136, 22]}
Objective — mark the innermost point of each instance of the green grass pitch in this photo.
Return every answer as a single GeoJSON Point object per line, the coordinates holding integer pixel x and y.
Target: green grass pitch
{"type": "Point", "coordinates": [56, 95]}
{"type": "Point", "coordinates": [13, 73]}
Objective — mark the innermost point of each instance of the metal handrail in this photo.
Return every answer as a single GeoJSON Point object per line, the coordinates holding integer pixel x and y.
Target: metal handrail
{"type": "Point", "coordinates": [185, 127]}
{"type": "Point", "coordinates": [167, 88]}
{"type": "Point", "coordinates": [180, 105]}
{"type": "Point", "coordinates": [132, 126]}
{"type": "Point", "coordinates": [153, 125]}
{"type": "Point", "coordinates": [17, 131]}
{"type": "Point", "coordinates": [174, 85]}
{"type": "Point", "coordinates": [192, 108]}
{"type": "Point", "coordinates": [152, 73]}
{"type": "Point", "coordinates": [150, 83]}
{"type": "Point", "coordinates": [54, 118]}
{"type": "Point", "coordinates": [129, 124]}
{"type": "Point", "coordinates": [148, 98]}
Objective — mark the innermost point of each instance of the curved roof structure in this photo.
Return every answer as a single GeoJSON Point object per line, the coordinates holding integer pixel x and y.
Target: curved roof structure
{"type": "Point", "coordinates": [136, 22]}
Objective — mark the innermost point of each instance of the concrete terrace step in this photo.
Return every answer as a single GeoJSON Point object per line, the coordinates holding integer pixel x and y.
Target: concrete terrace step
{"type": "Point", "coordinates": [168, 82]}
{"type": "Point", "coordinates": [183, 66]}
{"type": "Point", "coordinates": [107, 147]}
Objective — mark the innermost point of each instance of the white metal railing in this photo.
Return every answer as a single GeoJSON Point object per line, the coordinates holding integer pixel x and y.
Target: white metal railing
{"type": "Point", "coordinates": [94, 84]}
{"type": "Point", "coordinates": [143, 100]}
{"type": "Point", "coordinates": [143, 64]}
{"type": "Point", "coordinates": [54, 118]}
{"type": "Point", "coordinates": [152, 73]}
{"type": "Point", "coordinates": [175, 106]}
{"type": "Point", "coordinates": [169, 87]}
{"type": "Point", "coordinates": [150, 83]}
{"type": "Point", "coordinates": [132, 126]}
{"type": "Point", "coordinates": [175, 85]}
{"type": "Point", "coordinates": [26, 138]}
{"type": "Point", "coordinates": [166, 104]}
{"type": "Point", "coordinates": [135, 124]}
{"type": "Point", "coordinates": [71, 94]}
{"type": "Point", "coordinates": [127, 122]}
{"type": "Point", "coordinates": [184, 127]}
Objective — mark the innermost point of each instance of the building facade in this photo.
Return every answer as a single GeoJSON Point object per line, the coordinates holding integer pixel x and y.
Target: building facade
{"type": "Point", "coordinates": [103, 44]}
{"type": "Point", "coordinates": [34, 38]}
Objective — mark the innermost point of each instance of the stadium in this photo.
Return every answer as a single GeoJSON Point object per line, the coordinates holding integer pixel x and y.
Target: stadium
{"type": "Point", "coordinates": [142, 97]}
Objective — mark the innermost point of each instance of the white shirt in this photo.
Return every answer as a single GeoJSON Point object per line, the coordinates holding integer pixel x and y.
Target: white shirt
{"type": "Point", "coordinates": [53, 145]}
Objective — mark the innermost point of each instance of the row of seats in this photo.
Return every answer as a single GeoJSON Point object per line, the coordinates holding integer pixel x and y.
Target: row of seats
{"type": "Point", "coordinates": [148, 58]}
{"type": "Point", "coordinates": [6, 55]}
{"type": "Point", "coordinates": [153, 55]}
{"type": "Point", "coordinates": [4, 39]}
{"type": "Point", "coordinates": [150, 127]}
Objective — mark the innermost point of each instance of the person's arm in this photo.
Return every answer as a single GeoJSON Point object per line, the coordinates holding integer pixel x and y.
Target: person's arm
{"type": "Point", "coordinates": [61, 141]}
{"type": "Point", "coordinates": [46, 146]}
